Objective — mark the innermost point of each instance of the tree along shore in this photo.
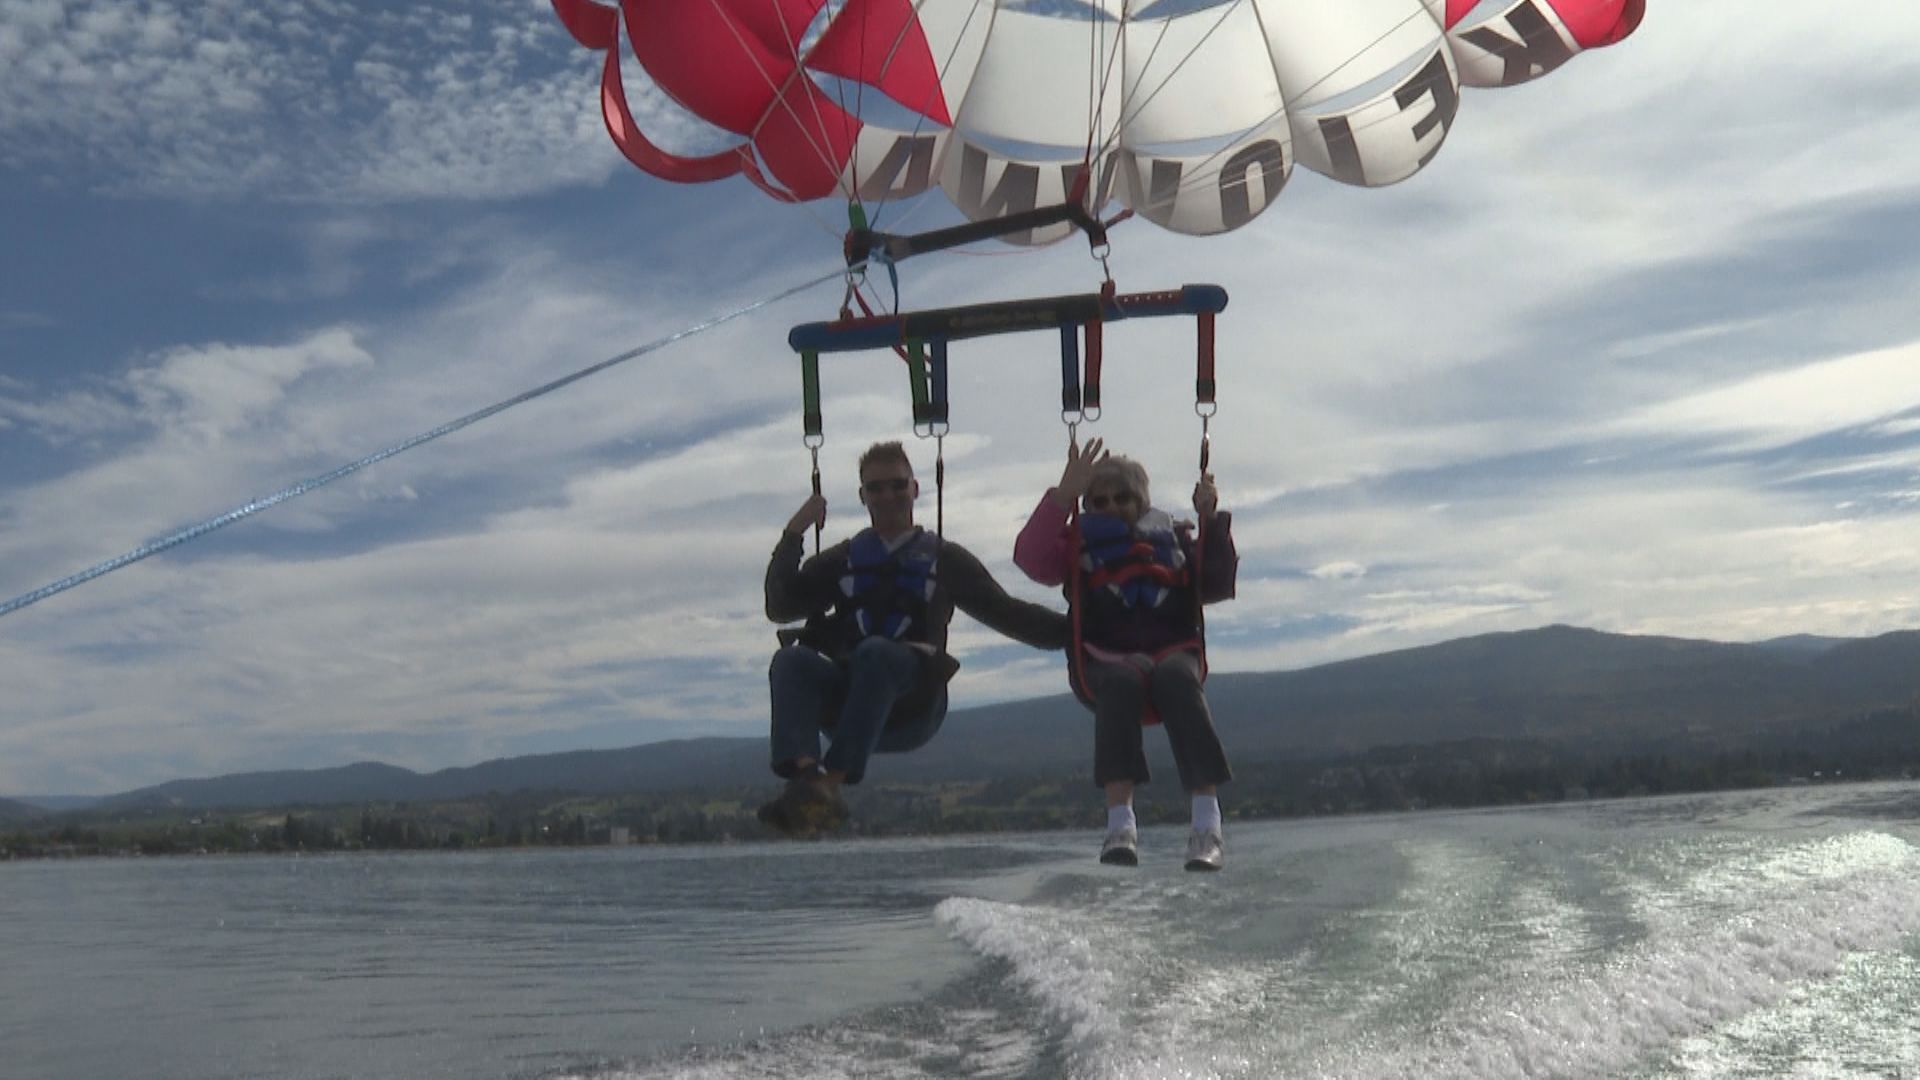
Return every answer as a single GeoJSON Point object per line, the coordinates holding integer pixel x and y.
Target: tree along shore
{"type": "Point", "coordinates": [1462, 775]}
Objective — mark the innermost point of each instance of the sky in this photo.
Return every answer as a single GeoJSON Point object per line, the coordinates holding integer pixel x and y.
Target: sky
{"type": "Point", "coordinates": [1638, 351]}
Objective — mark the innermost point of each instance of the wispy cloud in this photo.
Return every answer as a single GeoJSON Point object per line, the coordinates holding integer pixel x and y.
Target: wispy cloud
{"type": "Point", "coordinates": [218, 99]}
{"type": "Point", "coordinates": [1784, 406]}
{"type": "Point", "coordinates": [1338, 571]}
{"type": "Point", "coordinates": [19, 320]}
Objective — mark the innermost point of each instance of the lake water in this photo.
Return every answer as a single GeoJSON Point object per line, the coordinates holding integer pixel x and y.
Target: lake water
{"type": "Point", "coordinates": [1744, 935]}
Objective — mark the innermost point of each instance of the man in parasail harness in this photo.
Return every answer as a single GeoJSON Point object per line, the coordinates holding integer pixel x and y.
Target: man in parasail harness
{"type": "Point", "coordinates": [870, 667]}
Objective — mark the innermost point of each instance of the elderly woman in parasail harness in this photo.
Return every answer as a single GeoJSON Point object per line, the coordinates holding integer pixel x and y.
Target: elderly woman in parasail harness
{"type": "Point", "coordinates": [1135, 583]}
{"type": "Point", "coordinates": [869, 669]}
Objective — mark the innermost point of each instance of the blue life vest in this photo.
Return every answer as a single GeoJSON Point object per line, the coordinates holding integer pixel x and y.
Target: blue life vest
{"type": "Point", "coordinates": [887, 593]}
{"type": "Point", "coordinates": [1136, 566]}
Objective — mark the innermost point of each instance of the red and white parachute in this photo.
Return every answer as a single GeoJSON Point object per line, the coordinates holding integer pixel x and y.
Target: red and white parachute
{"type": "Point", "coordinates": [1191, 113]}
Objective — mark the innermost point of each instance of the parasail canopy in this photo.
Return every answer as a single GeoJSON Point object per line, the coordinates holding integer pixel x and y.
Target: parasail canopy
{"type": "Point", "coordinates": [1190, 113]}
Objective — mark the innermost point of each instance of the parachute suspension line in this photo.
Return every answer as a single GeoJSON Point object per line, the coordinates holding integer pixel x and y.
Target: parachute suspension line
{"type": "Point", "coordinates": [1130, 108]}
{"type": "Point", "coordinates": [1097, 104]}
{"type": "Point", "coordinates": [1197, 177]}
{"type": "Point", "coordinates": [753, 57]}
{"type": "Point", "coordinates": [859, 109]}
{"type": "Point", "coordinates": [793, 50]}
{"type": "Point", "coordinates": [953, 53]}
{"type": "Point", "coordinates": [1414, 16]}
{"type": "Point", "coordinates": [799, 73]}
{"type": "Point", "coordinates": [1087, 188]}
{"type": "Point", "coordinates": [867, 243]}
{"type": "Point", "coordinates": [852, 184]}
{"type": "Point", "coordinates": [1093, 93]}
{"type": "Point", "coordinates": [194, 532]}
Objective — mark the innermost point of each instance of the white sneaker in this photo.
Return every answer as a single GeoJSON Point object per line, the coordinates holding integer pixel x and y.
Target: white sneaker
{"type": "Point", "coordinates": [1205, 851]}
{"type": "Point", "coordinates": [1121, 848]}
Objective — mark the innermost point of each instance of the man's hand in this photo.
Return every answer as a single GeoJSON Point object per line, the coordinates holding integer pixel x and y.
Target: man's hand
{"type": "Point", "coordinates": [811, 515]}
{"type": "Point", "coordinates": [1078, 473]}
{"type": "Point", "coordinates": [1205, 499]}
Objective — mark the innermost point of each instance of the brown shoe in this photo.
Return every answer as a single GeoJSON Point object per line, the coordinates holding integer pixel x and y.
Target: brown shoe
{"type": "Point", "coordinates": [815, 802]}
{"type": "Point", "coordinates": [810, 804]}
{"type": "Point", "coordinates": [773, 814]}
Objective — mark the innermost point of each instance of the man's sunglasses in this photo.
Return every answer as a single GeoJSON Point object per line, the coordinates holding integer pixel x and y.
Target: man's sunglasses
{"type": "Point", "coordinates": [1099, 502]}
{"type": "Point", "coordinates": [894, 484]}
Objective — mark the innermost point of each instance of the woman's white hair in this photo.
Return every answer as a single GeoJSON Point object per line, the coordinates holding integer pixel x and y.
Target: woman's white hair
{"type": "Point", "coordinates": [1125, 473]}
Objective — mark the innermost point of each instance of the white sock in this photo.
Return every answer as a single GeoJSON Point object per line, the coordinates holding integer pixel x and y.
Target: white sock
{"type": "Point", "coordinates": [1120, 817]}
{"type": "Point", "coordinates": [1206, 813]}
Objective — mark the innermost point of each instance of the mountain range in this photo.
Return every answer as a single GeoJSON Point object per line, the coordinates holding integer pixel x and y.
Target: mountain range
{"type": "Point", "coordinates": [1557, 685]}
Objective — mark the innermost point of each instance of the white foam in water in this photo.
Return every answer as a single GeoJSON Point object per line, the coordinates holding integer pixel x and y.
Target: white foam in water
{"type": "Point", "coordinates": [1858, 894]}
{"type": "Point", "coordinates": [1069, 960]}
{"type": "Point", "coordinates": [1865, 1022]}
{"type": "Point", "coordinates": [1131, 1009]}
{"type": "Point", "coordinates": [1737, 875]}
{"type": "Point", "coordinates": [1758, 955]}
{"type": "Point", "coordinates": [850, 1052]}
{"type": "Point", "coordinates": [1724, 945]}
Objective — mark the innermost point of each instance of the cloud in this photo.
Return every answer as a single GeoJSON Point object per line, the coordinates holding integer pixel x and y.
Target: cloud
{"type": "Point", "coordinates": [334, 256]}
{"type": "Point", "coordinates": [1632, 353]}
{"type": "Point", "coordinates": [220, 98]}
{"type": "Point", "coordinates": [1784, 406]}
{"type": "Point", "coordinates": [77, 414]}
{"type": "Point", "coordinates": [212, 392]}
{"type": "Point", "coordinates": [563, 562]}
{"type": "Point", "coordinates": [1342, 570]}
{"type": "Point", "coordinates": [198, 395]}
{"type": "Point", "coordinates": [590, 562]}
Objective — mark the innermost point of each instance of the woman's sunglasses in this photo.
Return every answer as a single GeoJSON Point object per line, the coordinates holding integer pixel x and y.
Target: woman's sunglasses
{"type": "Point", "coordinates": [1100, 502]}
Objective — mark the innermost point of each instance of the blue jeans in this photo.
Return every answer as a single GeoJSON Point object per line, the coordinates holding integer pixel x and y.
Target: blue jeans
{"type": "Point", "coordinates": [852, 703]}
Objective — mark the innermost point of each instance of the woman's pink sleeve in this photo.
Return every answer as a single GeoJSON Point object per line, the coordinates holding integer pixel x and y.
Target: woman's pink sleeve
{"type": "Point", "coordinates": [1041, 550]}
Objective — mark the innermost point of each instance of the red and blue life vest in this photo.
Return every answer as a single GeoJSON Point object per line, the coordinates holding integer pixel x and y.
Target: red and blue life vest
{"type": "Point", "coordinates": [1132, 567]}
{"type": "Point", "coordinates": [1133, 590]}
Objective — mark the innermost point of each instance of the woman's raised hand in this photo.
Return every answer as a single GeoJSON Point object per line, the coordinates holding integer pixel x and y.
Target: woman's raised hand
{"type": "Point", "coordinates": [1079, 472]}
